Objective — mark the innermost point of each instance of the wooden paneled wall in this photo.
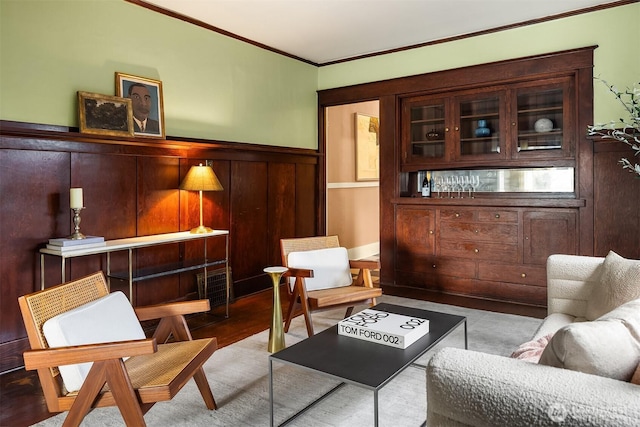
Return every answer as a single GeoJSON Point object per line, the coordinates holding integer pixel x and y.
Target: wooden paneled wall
{"type": "Point", "coordinates": [131, 189]}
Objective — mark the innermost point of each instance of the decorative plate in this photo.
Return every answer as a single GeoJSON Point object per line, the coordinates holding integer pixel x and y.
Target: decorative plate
{"type": "Point", "coordinates": [543, 125]}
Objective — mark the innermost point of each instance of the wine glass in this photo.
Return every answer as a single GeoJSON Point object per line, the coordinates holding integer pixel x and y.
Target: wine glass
{"type": "Point", "coordinates": [475, 183]}
{"type": "Point", "coordinates": [448, 185]}
{"type": "Point", "coordinates": [466, 184]}
{"type": "Point", "coordinates": [438, 185]}
{"type": "Point", "coordinates": [456, 184]}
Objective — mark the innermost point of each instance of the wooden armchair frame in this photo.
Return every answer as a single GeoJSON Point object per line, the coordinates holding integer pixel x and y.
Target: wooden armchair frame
{"type": "Point", "coordinates": [155, 370]}
{"type": "Point", "coordinates": [305, 302]}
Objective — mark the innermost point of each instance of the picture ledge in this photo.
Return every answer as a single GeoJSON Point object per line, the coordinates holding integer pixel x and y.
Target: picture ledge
{"type": "Point", "coordinates": [66, 133]}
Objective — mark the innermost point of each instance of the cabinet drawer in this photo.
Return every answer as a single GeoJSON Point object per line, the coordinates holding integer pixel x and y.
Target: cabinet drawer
{"type": "Point", "coordinates": [479, 250]}
{"type": "Point", "coordinates": [526, 275]}
{"type": "Point", "coordinates": [497, 215]}
{"type": "Point", "coordinates": [454, 267]}
{"type": "Point", "coordinates": [479, 231]}
{"type": "Point", "coordinates": [458, 214]}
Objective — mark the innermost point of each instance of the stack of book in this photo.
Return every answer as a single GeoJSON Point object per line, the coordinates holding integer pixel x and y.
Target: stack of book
{"type": "Point", "coordinates": [64, 244]}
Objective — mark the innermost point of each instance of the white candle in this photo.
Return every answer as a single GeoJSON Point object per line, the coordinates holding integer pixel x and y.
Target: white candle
{"type": "Point", "coordinates": [76, 198]}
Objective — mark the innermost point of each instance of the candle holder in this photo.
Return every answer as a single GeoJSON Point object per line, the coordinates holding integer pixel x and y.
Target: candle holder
{"type": "Point", "coordinates": [77, 235]}
{"type": "Point", "coordinates": [276, 333]}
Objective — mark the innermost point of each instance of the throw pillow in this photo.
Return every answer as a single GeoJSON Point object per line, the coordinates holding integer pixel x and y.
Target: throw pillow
{"type": "Point", "coordinates": [532, 350]}
{"type": "Point", "coordinates": [619, 283]}
{"type": "Point", "coordinates": [608, 346]}
{"type": "Point", "coordinates": [107, 319]}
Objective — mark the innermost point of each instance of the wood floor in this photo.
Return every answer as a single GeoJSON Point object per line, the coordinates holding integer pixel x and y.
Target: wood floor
{"type": "Point", "coordinates": [22, 402]}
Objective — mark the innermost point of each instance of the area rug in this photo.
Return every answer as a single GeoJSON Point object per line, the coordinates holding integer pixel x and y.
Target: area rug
{"type": "Point", "coordinates": [239, 378]}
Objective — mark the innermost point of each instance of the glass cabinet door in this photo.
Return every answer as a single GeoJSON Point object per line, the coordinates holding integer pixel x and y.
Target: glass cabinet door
{"type": "Point", "coordinates": [425, 134]}
{"type": "Point", "coordinates": [480, 126]}
{"type": "Point", "coordinates": [542, 118]}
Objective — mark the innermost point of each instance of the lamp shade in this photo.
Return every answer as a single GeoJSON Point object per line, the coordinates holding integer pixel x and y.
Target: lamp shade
{"type": "Point", "coordinates": [201, 178]}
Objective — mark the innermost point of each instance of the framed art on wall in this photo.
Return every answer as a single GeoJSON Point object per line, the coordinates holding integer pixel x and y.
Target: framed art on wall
{"type": "Point", "coordinates": [367, 148]}
{"type": "Point", "coordinates": [146, 101]}
{"type": "Point", "coordinates": [105, 114]}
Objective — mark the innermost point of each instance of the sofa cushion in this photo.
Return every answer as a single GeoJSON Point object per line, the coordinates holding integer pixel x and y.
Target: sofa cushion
{"type": "Point", "coordinates": [552, 323]}
{"type": "Point", "coordinates": [107, 319]}
{"type": "Point", "coordinates": [608, 346]}
{"type": "Point", "coordinates": [619, 283]}
{"type": "Point", "coordinates": [330, 267]}
{"type": "Point", "coordinates": [532, 350]}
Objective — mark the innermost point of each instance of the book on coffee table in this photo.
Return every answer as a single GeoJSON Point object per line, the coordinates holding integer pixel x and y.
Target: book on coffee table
{"type": "Point", "coordinates": [381, 327]}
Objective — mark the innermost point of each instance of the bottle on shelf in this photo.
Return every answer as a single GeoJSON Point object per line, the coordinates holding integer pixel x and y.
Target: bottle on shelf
{"type": "Point", "coordinates": [426, 185]}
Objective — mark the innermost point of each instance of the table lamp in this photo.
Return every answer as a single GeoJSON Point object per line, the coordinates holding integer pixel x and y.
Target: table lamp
{"type": "Point", "coordinates": [201, 178]}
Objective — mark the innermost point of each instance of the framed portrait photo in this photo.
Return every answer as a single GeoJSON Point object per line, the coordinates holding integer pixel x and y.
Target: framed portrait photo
{"type": "Point", "coordinates": [105, 114]}
{"type": "Point", "coordinates": [146, 101]}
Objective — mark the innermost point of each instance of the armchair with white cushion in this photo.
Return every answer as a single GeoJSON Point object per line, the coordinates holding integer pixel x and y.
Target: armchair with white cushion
{"type": "Point", "coordinates": [90, 350]}
{"type": "Point", "coordinates": [320, 278]}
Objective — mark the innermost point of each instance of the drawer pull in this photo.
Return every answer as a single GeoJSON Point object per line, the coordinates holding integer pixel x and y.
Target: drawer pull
{"type": "Point", "coordinates": [497, 215]}
{"type": "Point", "coordinates": [477, 231]}
{"type": "Point", "coordinates": [476, 250]}
{"type": "Point", "coordinates": [430, 231]}
{"type": "Point", "coordinates": [523, 275]}
{"type": "Point", "coordinates": [457, 215]}
{"type": "Point", "coordinates": [434, 266]}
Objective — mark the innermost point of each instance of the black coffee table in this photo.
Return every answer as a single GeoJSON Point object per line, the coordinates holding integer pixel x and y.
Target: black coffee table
{"type": "Point", "coordinates": [365, 364]}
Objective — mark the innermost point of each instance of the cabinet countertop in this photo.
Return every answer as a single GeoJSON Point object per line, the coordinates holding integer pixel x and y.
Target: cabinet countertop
{"type": "Point", "coordinates": [492, 202]}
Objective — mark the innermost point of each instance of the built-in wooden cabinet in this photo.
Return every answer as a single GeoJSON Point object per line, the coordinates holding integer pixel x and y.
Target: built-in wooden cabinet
{"type": "Point", "coordinates": [524, 120]}
{"type": "Point", "coordinates": [510, 123]}
{"type": "Point", "coordinates": [487, 251]}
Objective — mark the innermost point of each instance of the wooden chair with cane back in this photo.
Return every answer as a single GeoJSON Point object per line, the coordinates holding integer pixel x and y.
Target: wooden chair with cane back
{"type": "Point", "coordinates": [320, 278]}
{"type": "Point", "coordinates": [155, 369]}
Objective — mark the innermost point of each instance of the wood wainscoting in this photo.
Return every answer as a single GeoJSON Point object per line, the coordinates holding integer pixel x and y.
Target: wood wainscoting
{"type": "Point", "coordinates": [131, 189]}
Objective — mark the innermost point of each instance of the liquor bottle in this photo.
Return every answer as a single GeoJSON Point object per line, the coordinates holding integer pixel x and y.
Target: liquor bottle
{"type": "Point", "coordinates": [426, 185]}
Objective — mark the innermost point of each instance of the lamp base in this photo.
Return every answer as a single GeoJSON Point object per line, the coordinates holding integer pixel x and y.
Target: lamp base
{"type": "Point", "coordinates": [201, 230]}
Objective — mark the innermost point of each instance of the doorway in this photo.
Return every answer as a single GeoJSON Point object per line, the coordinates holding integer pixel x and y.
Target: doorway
{"type": "Point", "coordinates": [353, 193]}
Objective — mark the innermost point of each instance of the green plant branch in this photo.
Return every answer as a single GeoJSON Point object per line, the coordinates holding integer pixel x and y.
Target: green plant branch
{"type": "Point", "coordinates": [623, 130]}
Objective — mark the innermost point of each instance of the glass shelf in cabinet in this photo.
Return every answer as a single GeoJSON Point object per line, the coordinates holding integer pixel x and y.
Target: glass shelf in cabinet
{"type": "Point", "coordinates": [538, 110]}
{"type": "Point", "coordinates": [533, 134]}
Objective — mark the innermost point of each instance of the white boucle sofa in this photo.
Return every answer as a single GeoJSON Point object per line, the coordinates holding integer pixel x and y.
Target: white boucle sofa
{"type": "Point", "coordinates": [467, 388]}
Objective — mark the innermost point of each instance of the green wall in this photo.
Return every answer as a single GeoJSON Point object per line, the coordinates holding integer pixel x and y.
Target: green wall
{"type": "Point", "coordinates": [616, 32]}
{"type": "Point", "coordinates": [218, 88]}
{"type": "Point", "coordinates": [215, 87]}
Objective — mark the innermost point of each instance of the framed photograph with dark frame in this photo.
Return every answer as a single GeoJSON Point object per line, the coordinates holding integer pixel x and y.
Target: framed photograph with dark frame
{"type": "Point", "coordinates": [146, 101]}
{"type": "Point", "coordinates": [367, 148]}
{"type": "Point", "coordinates": [105, 114]}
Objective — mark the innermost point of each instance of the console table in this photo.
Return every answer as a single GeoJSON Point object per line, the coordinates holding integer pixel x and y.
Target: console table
{"type": "Point", "coordinates": [131, 243]}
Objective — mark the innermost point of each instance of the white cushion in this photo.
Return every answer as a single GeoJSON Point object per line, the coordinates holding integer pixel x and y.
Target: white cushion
{"type": "Point", "coordinates": [608, 346]}
{"type": "Point", "coordinates": [619, 283]}
{"type": "Point", "coordinates": [108, 319]}
{"type": "Point", "coordinates": [330, 267]}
